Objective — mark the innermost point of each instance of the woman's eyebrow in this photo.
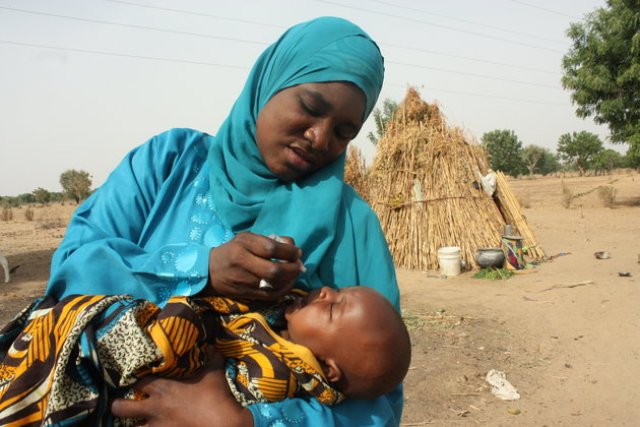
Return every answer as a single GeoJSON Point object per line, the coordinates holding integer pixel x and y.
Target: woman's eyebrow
{"type": "Point", "coordinates": [317, 97]}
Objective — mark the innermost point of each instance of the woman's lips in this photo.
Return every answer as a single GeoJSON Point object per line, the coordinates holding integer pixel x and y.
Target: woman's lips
{"type": "Point", "coordinates": [299, 158]}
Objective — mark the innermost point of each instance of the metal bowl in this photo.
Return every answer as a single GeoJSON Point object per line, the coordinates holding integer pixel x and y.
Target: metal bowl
{"type": "Point", "coordinates": [490, 257]}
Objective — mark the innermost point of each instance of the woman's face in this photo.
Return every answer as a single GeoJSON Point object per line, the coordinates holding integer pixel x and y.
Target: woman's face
{"type": "Point", "coordinates": [303, 128]}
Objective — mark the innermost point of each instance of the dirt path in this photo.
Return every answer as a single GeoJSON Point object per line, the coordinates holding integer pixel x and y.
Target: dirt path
{"type": "Point", "coordinates": [567, 335]}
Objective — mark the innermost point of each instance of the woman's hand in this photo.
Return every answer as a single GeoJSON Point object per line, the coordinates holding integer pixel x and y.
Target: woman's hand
{"type": "Point", "coordinates": [203, 400]}
{"type": "Point", "coordinates": [237, 267]}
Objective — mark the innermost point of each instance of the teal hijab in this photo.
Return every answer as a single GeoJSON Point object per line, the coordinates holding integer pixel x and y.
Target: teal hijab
{"type": "Point", "coordinates": [313, 210]}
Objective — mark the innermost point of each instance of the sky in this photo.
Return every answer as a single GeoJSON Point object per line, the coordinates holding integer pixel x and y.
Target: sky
{"type": "Point", "coordinates": [83, 83]}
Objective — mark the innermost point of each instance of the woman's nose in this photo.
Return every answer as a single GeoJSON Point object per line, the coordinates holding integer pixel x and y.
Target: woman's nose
{"type": "Point", "coordinates": [319, 135]}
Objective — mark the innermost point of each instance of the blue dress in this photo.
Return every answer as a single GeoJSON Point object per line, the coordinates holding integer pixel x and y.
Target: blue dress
{"type": "Point", "coordinates": [148, 231]}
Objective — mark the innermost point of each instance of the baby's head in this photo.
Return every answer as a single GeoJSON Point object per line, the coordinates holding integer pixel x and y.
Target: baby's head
{"type": "Point", "coordinates": [356, 334]}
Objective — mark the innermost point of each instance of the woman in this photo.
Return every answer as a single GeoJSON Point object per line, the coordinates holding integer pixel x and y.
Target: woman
{"type": "Point", "coordinates": [189, 213]}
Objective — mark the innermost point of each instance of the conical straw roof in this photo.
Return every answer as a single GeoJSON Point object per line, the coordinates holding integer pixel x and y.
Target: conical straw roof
{"type": "Point", "coordinates": [424, 188]}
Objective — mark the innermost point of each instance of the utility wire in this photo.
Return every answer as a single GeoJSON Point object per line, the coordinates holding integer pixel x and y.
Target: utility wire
{"type": "Point", "coordinates": [468, 58]}
{"type": "Point", "coordinates": [212, 64]}
{"type": "Point", "coordinates": [282, 27]}
{"type": "Point", "coordinates": [483, 76]}
{"type": "Point", "coordinates": [535, 6]}
{"type": "Point", "coordinates": [483, 95]}
{"type": "Point", "coordinates": [193, 13]}
{"type": "Point", "coordinates": [124, 55]}
{"type": "Point", "coordinates": [256, 42]}
{"type": "Point", "coordinates": [138, 27]}
{"type": "Point", "coordinates": [466, 21]}
{"type": "Point", "coordinates": [439, 26]}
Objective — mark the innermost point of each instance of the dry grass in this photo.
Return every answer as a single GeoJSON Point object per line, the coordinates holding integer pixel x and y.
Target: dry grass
{"type": "Point", "coordinates": [607, 195]}
{"type": "Point", "coordinates": [54, 216]}
{"type": "Point", "coordinates": [28, 214]}
{"type": "Point", "coordinates": [7, 213]}
{"type": "Point", "coordinates": [43, 217]}
{"type": "Point", "coordinates": [568, 195]}
{"type": "Point", "coordinates": [356, 174]}
{"type": "Point", "coordinates": [524, 199]}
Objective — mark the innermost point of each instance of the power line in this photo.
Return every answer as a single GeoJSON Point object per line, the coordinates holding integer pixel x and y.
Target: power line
{"type": "Point", "coordinates": [138, 27]}
{"type": "Point", "coordinates": [193, 13]}
{"type": "Point", "coordinates": [212, 64]}
{"type": "Point", "coordinates": [468, 58]}
{"type": "Point", "coordinates": [484, 95]}
{"type": "Point", "coordinates": [439, 26]}
{"type": "Point", "coordinates": [535, 6]}
{"type": "Point", "coordinates": [484, 76]}
{"type": "Point", "coordinates": [124, 55]}
{"type": "Point", "coordinates": [256, 42]}
{"type": "Point", "coordinates": [467, 21]}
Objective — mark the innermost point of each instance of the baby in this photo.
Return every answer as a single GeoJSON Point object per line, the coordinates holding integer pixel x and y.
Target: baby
{"type": "Point", "coordinates": [362, 354]}
{"type": "Point", "coordinates": [334, 334]}
{"type": "Point", "coordinates": [326, 344]}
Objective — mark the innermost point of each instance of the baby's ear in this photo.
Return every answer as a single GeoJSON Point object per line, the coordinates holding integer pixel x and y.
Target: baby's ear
{"type": "Point", "coordinates": [331, 370]}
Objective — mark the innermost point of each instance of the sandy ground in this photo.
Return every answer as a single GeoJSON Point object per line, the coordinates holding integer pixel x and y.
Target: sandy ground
{"type": "Point", "coordinates": [566, 334]}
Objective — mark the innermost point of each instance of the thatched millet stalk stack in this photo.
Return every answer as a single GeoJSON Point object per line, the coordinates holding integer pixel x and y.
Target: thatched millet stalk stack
{"type": "Point", "coordinates": [424, 188]}
{"type": "Point", "coordinates": [355, 172]}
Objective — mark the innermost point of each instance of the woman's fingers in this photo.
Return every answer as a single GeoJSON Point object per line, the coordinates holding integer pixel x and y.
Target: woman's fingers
{"type": "Point", "coordinates": [270, 248]}
{"type": "Point", "coordinates": [239, 266]}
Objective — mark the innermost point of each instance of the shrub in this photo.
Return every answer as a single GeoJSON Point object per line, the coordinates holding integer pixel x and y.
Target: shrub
{"type": "Point", "coordinates": [7, 213]}
{"type": "Point", "coordinates": [607, 195]}
{"type": "Point", "coordinates": [28, 214]}
{"type": "Point", "coordinates": [525, 199]}
{"type": "Point", "coordinates": [567, 196]}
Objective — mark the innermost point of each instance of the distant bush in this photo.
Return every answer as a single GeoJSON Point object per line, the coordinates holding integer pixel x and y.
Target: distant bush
{"type": "Point", "coordinates": [28, 214]}
{"type": "Point", "coordinates": [50, 223]}
{"type": "Point", "coordinates": [524, 199]}
{"type": "Point", "coordinates": [567, 195]}
{"type": "Point", "coordinates": [607, 195]}
{"type": "Point", "coordinates": [7, 213]}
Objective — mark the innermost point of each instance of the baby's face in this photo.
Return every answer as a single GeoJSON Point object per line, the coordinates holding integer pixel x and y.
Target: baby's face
{"type": "Point", "coordinates": [328, 320]}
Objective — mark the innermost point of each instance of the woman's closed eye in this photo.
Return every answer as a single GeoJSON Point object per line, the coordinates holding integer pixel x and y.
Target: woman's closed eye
{"type": "Point", "coordinates": [346, 133]}
{"type": "Point", "coordinates": [310, 109]}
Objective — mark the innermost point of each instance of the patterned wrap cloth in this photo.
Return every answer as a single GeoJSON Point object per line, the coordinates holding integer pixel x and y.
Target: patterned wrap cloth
{"type": "Point", "coordinates": [63, 362]}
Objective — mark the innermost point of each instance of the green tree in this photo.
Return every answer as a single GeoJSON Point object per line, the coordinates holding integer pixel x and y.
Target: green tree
{"type": "Point", "coordinates": [381, 119]}
{"type": "Point", "coordinates": [25, 198]}
{"type": "Point", "coordinates": [579, 149]}
{"type": "Point", "coordinates": [602, 69]}
{"type": "Point", "coordinates": [42, 196]}
{"type": "Point", "coordinates": [632, 159]}
{"type": "Point", "coordinates": [57, 196]}
{"type": "Point", "coordinates": [539, 160]}
{"type": "Point", "coordinates": [550, 163]}
{"type": "Point", "coordinates": [76, 184]}
{"type": "Point", "coordinates": [607, 160]}
{"type": "Point", "coordinates": [505, 151]}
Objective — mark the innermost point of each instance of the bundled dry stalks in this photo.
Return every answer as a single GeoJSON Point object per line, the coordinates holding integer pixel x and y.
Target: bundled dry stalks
{"type": "Point", "coordinates": [355, 172]}
{"type": "Point", "coordinates": [510, 209]}
{"type": "Point", "coordinates": [423, 186]}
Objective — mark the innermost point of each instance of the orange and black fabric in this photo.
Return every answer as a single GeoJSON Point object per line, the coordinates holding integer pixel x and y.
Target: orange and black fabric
{"type": "Point", "coordinates": [61, 363]}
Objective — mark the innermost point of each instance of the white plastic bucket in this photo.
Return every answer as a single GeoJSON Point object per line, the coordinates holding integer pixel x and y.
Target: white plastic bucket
{"type": "Point", "coordinates": [449, 260]}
